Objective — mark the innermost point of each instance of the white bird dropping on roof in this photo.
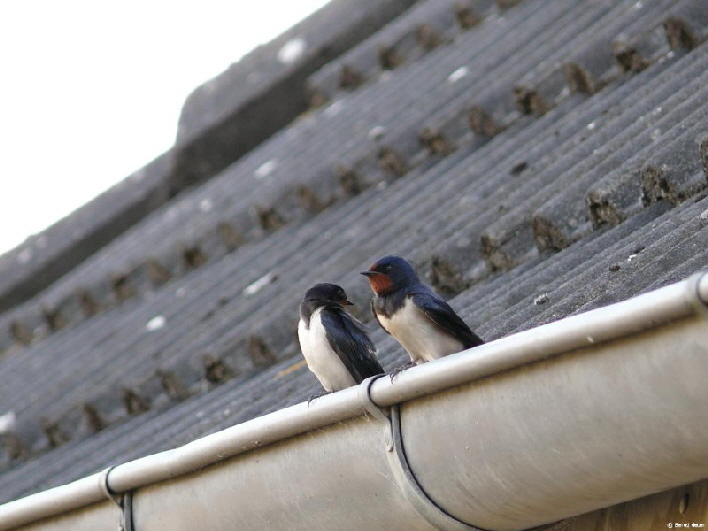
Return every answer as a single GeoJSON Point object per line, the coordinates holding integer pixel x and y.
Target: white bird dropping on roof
{"type": "Point", "coordinates": [333, 108]}
{"type": "Point", "coordinates": [458, 74]}
{"type": "Point", "coordinates": [259, 284]}
{"type": "Point", "coordinates": [155, 323]}
{"type": "Point", "coordinates": [8, 422]}
{"type": "Point", "coordinates": [377, 132]}
{"type": "Point", "coordinates": [265, 169]}
{"type": "Point", "coordinates": [291, 51]}
{"type": "Point", "coordinates": [541, 299]}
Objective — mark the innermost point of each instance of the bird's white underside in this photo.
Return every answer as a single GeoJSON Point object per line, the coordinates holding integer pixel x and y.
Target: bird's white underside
{"type": "Point", "coordinates": [321, 359]}
{"type": "Point", "coordinates": [422, 339]}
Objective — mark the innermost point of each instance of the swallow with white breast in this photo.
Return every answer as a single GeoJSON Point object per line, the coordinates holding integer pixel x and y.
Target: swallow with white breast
{"type": "Point", "coordinates": [417, 317]}
{"type": "Point", "coordinates": [335, 345]}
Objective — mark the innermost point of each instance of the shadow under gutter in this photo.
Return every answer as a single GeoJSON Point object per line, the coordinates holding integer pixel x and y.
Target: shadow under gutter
{"type": "Point", "coordinates": [506, 436]}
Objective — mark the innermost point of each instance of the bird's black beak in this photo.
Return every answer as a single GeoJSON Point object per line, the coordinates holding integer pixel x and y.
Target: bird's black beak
{"type": "Point", "coordinates": [368, 273]}
{"type": "Point", "coordinates": [347, 303]}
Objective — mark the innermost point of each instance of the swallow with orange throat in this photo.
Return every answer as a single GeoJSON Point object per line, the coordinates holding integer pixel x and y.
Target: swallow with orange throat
{"type": "Point", "coordinates": [417, 317]}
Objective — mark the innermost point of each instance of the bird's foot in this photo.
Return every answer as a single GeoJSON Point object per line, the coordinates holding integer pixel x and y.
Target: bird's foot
{"type": "Point", "coordinates": [395, 372]}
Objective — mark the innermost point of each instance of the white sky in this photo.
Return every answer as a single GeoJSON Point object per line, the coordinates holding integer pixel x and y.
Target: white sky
{"type": "Point", "coordinates": [90, 91]}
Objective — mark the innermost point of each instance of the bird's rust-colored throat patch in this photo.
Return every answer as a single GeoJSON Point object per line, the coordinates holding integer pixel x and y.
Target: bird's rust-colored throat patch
{"type": "Point", "coordinates": [380, 283]}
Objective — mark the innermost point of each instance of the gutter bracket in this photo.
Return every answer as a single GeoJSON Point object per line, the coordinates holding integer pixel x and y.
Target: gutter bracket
{"type": "Point", "coordinates": [401, 470]}
{"type": "Point", "coordinates": [123, 501]}
{"type": "Point", "coordinates": [412, 490]}
{"type": "Point", "coordinates": [373, 409]}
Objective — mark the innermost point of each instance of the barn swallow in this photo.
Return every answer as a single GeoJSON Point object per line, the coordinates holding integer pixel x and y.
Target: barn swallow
{"type": "Point", "coordinates": [416, 316]}
{"type": "Point", "coordinates": [335, 345]}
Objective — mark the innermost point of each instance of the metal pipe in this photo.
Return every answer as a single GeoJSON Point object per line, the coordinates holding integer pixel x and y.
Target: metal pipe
{"type": "Point", "coordinates": [651, 310]}
{"type": "Point", "coordinates": [51, 502]}
{"type": "Point", "coordinates": [98, 516]}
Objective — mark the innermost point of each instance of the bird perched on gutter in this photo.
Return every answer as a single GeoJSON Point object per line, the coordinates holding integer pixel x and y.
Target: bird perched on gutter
{"type": "Point", "coordinates": [416, 316]}
{"type": "Point", "coordinates": [335, 345]}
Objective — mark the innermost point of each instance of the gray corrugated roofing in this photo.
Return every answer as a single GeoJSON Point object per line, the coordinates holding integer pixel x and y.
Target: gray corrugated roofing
{"type": "Point", "coordinates": [222, 214]}
{"type": "Point", "coordinates": [221, 121]}
{"type": "Point", "coordinates": [43, 258]}
{"type": "Point", "coordinates": [588, 189]}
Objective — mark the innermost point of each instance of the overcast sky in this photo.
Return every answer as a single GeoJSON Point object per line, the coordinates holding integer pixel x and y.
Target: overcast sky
{"type": "Point", "coordinates": [92, 90]}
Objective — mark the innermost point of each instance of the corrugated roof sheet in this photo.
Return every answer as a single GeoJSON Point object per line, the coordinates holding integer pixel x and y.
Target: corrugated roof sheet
{"type": "Point", "coordinates": [220, 121]}
{"type": "Point", "coordinates": [536, 164]}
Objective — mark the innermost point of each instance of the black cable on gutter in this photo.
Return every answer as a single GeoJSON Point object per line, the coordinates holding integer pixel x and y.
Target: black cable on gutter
{"type": "Point", "coordinates": [123, 501]}
{"type": "Point", "coordinates": [402, 472]}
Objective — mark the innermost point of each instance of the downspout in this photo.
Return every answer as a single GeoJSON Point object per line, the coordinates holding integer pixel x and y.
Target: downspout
{"type": "Point", "coordinates": [504, 436]}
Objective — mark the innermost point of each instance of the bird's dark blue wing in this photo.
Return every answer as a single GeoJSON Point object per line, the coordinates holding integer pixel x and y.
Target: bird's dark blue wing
{"type": "Point", "coordinates": [350, 341]}
{"type": "Point", "coordinates": [440, 312]}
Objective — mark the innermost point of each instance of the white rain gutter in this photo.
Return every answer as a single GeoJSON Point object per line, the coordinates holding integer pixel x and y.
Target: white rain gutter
{"type": "Point", "coordinates": [505, 436]}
